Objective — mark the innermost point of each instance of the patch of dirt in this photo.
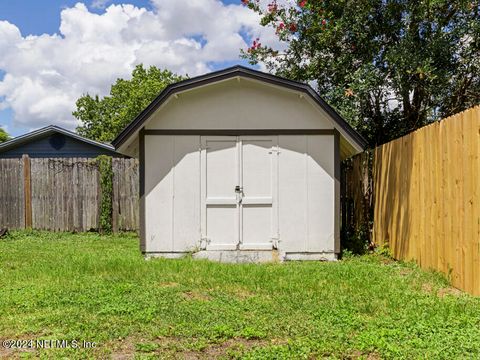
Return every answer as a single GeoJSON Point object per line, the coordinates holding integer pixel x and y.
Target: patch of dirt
{"type": "Point", "coordinates": [386, 260]}
{"type": "Point", "coordinates": [195, 295]}
{"type": "Point", "coordinates": [441, 292]}
{"type": "Point", "coordinates": [242, 293]}
{"type": "Point", "coordinates": [122, 349]}
{"type": "Point", "coordinates": [218, 350]}
{"type": "Point", "coordinates": [404, 271]}
{"type": "Point", "coordinates": [168, 284]}
{"type": "Point", "coordinates": [426, 287]}
{"type": "Point", "coordinates": [16, 353]}
{"type": "Point", "coordinates": [6, 353]}
{"type": "Point", "coordinates": [122, 356]}
{"type": "Point", "coordinates": [449, 291]}
{"type": "Point", "coordinates": [360, 355]}
{"type": "Point", "coordinates": [175, 348]}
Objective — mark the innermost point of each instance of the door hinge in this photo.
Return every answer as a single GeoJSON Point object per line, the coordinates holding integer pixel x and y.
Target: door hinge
{"type": "Point", "coordinates": [275, 243]}
{"type": "Point", "coordinates": [204, 242]}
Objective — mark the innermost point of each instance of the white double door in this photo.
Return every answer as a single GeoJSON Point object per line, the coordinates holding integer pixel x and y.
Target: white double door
{"type": "Point", "coordinates": [239, 182]}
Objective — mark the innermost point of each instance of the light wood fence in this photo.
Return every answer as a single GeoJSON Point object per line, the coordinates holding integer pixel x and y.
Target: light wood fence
{"type": "Point", "coordinates": [427, 198]}
{"type": "Point", "coordinates": [63, 194]}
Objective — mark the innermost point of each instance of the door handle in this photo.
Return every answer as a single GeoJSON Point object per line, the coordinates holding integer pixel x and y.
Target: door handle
{"type": "Point", "coordinates": [238, 189]}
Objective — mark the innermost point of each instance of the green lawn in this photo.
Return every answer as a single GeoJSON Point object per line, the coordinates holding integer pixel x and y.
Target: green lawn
{"type": "Point", "coordinates": [93, 288]}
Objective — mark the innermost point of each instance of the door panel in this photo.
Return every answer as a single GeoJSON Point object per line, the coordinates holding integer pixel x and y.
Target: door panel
{"type": "Point", "coordinates": [222, 172]}
{"type": "Point", "coordinates": [258, 180]}
{"type": "Point", "coordinates": [219, 200]}
{"type": "Point", "coordinates": [256, 168]}
{"type": "Point", "coordinates": [256, 229]}
{"type": "Point", "coordinates": [222, 227]}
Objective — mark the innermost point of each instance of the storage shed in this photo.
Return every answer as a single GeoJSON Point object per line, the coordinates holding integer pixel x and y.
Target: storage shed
{"type": "Point", "coordinates": [240, 165]}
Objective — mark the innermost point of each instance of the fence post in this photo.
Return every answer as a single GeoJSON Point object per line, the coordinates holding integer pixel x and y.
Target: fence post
{"type": "Point", "coordinates": [27, 191]}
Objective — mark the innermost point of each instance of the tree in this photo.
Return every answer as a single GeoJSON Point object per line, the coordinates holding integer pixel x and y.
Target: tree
{"type": "Point", "coordinates": [102, 119]}
{"type": "Point", "coordinates": [387, 66]}
{"type": "Point", "coordinates": [3, 135]}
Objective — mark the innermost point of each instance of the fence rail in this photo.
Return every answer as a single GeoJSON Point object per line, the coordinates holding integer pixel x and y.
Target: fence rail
{"type": "Point", "coordinates": [63, 194]}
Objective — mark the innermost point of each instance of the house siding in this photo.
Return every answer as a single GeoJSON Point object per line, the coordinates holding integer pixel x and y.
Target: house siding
{"type": "Point", "coordinates": [43, 148]}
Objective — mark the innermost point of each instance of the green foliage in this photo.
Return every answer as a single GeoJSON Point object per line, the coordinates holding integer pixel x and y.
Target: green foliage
{"type": "Point", "coordinates": [356, 241]}
{"type": "Point", "coordinates": [146, 347]}
{"type": "Point", "coordinates": [3, 135]}
{"type": "Point", "coordinates": [357, 203]}
{"type": "Point", "coordinates": [384, 251]}
{"type": "Point", "coordinates": [102, 119]}
{"type": "Point", "coordinates": [388, 67]}
{"type": "Point", "coordinates": [104, 163]}
{"type": "Point", "coordinates": [99, 288]}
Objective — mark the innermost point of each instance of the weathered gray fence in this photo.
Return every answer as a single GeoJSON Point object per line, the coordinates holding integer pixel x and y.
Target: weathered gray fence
{"type": "Point", "coordinates": [64, 194]}
{"type": "Point", "coordinates": [12, 201]}
{"type": "Point", "coordinates": [126, 190]}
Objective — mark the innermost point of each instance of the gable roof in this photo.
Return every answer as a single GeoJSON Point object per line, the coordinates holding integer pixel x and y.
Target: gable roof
{"type": "Point", "coordinates": [46, 131]}
{"type": "Point", "coordinates": [228, 73]}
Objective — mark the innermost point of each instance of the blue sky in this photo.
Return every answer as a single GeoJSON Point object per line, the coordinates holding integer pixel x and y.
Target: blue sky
{"type": "Point", "coordinates": [41, 76]}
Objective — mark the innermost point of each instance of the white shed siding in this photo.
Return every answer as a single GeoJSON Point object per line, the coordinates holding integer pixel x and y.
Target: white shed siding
{"type": "Point", "coordinates": [320, 194]}
{"type": "Point", "coordinates": [186, 193]}
{"type": "Point", "coordinates": [158, 193]}
{"type": "Point", "coordinates": [306, 191]}
{"type": "Point", "coordinates": [172, 193]}
{"type": "Point", "coordinates": [173, 197]}
{"type": "Point", "coordinates": [292, 193]}
{"type": "Point", "coordinates": [244, 104]}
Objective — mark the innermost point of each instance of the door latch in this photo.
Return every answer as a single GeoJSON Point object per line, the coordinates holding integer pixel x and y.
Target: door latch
{"type": "Point", "coordinates": [238, 189]}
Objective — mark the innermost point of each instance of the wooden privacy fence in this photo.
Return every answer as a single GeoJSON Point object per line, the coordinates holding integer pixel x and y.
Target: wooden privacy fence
{"type": "Point", "coordinates": [426, 197]}
{"type": "Point", "coordinates": [427, 207]}
{"type": "Point", "coordinates": [64, 194]}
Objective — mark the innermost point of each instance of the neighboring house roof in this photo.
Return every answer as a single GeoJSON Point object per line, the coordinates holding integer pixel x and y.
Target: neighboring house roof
{"type": "Point", "coordinates": [228, 73]}
{"type": "Point", "coordinates": [46, 131]}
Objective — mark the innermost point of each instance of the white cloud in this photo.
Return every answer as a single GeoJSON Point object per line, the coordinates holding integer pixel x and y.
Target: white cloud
{"type": "Point", "coordinates": [45, 74]}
